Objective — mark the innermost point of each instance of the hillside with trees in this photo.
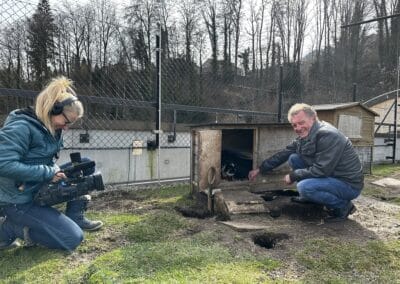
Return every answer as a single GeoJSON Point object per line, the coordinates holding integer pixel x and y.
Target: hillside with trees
{"type": "Point", "coordinates": [235, 54]}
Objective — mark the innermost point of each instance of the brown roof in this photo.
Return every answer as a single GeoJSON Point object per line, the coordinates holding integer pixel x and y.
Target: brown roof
{"type": "Point", "coordinates": [343, 106]}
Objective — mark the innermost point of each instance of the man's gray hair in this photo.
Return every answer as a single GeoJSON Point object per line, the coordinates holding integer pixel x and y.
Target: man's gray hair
{"type": "Point", "coordinates": [296, 108]}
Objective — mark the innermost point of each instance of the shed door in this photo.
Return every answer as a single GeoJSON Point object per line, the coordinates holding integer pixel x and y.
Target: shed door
{"type": "Point", "coordinates": [206, 157]}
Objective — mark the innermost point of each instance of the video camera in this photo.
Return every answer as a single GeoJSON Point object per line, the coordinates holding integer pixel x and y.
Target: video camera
{"type": "Point", "coordinates": [80, 181]}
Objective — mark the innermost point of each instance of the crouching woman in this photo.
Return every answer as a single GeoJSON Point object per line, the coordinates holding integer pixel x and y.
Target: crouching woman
{"type": "Point", "coordinates": [30, 141]}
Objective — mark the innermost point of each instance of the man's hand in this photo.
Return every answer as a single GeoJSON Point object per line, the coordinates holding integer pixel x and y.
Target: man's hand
{"type": "Point", "coordinates": [58, 176]}
{"type": "Point", "coordinates": [253, 174]}
{"type": "Point", "coordinates": [287, 179]}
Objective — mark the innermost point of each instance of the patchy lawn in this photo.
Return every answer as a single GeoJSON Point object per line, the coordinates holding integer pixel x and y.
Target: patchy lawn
{"type": "Point", "coordinates": [146, 240]}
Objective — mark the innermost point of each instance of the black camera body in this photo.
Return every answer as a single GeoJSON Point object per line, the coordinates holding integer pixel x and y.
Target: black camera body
{"type": "Point", "coordinates": [76, 184]}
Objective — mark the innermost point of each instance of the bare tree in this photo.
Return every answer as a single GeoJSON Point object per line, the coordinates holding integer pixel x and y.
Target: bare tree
{"type": "Point", "coordinates": [320, 25]}
{"type": "Point", "coordinates": [77, 27]}
{"type": "Point", "coordinates": [200, 39]}
{"type": "Point", "coordinates": [291, 22]}
{"type": "Point", "coordinates": [394, 36]}
{"type": "Point", "coordinates": [12, 53]}
{"type": "Point", "coordinates": [357, 34]}
{"type": "Point", "coordinates": [260, 26]}
{"type": "Point", "coordinates": [227, 31]}
{"type": "Point", "coordinates": [299, 27]}
{"type": "Point", "coordinates": [89, 16]}
{"type": "Point", "coordinates": [63, 44]}
{"type": "Point", "coordinates": [253, 20]}
{"type": "Point", "coordinates": [142, 16]}
{"type": "Point", "coordinates": [237, 15]}
{"type": "Point", "coordinates": [256, 19]}
{"type": "Point", "coordinates": [271, 41]}
{"type": "Point", "coordinates": [165, 11]}
{"type": "Point", "coordinates": [209, 14]}
{"type": "Point", "coordinates": [188, 11]}
{"type": "Point", "coordinates": [107, 22]}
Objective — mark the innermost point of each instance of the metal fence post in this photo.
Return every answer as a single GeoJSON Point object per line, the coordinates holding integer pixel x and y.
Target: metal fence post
{"type": "Point", "coordinates": [280, 95]}
{"type": "Point", "coordinates": [354, 92]}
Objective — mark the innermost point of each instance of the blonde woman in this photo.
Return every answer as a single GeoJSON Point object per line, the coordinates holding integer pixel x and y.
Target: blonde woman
{"type": "Point", "coordinates": [30, 141]}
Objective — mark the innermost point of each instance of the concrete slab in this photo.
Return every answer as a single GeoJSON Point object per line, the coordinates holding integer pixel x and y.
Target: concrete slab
{"type": "Point", "coordinates": [388, 182]}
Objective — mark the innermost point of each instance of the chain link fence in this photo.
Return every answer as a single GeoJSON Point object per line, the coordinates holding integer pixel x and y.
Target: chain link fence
{"type": "Point", "coordinates": [132, 84]}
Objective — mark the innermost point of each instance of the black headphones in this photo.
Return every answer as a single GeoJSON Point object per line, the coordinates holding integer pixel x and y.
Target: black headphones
{"type": "Point", "coordinates": [58, 107]}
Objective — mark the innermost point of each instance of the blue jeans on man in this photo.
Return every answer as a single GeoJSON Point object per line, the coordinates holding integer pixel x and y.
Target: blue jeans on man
{"type": "Point", "coordinates": [331, 192]}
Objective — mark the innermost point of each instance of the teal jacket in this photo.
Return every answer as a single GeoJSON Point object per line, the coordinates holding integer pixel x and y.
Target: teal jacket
{"type": "Point", "coordinates": [27, 156]}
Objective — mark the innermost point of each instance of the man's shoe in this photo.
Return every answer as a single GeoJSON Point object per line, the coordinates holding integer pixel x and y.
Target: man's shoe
{"type": "Point", "coordinates": [340, 214]}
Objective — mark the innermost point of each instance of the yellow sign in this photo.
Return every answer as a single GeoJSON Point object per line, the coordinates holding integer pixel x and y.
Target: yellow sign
{"type": "Point", "coordinates": [137, 147]}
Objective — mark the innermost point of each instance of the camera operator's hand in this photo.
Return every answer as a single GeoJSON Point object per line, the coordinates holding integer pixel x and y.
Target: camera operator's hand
{"type": "Point", "coordinates": [58, 176]}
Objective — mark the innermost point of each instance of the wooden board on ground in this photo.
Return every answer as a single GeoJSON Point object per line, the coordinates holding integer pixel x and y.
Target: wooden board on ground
{"type": "Point", "coordinates": [388, 182]}
{"type": "Point", "coordinates": [231, 202]}
{"type": "Point", "coordinates": [243, 227]}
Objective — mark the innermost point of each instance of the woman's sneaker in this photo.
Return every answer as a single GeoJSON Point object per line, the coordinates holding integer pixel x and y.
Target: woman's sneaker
{"type": "Point", "coordinates": [7, 245]}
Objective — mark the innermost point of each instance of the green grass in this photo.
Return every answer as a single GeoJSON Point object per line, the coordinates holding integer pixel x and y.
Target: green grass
{"type": "Point", "coordinates": [378, 172]}
{"type": "Point", "coordinates": [175, 261]}
{"type": "Point", "coordinates": [30, 265]}
{"type": "Point", "coordinates": [385, 170]}
{"type": "Point", "coordinates": [157, 227]}
{"type": "Point", "coordinates": [335, 261]}
{"type": "Point", "coordinates": [158, 245]}
{"type": "Point", "coordinates": [156, 248]}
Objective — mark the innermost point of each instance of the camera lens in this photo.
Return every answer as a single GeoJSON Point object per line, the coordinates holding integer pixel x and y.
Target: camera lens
{"type": "Point", "coordinates": [98, 182]}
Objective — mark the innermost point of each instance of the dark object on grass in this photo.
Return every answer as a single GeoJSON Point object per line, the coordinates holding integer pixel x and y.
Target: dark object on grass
{"type": "Point", "coordinates": [194, 212]}
{"type": "Point", "coordinates": [275, 212]}
{"type": "Point", "coordinates": [268, 240]}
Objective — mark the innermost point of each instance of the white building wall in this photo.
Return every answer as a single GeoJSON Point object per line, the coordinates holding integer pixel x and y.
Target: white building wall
{"type": "Point", "coordinates": [381, 151]}
{"type": "Point", "coordinates": [119, 162]}
{"type": "Point", "coordinates": [120, 165]}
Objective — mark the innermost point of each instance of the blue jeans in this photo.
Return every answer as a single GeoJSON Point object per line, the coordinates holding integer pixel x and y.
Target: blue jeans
{"type": "Point", "coordinates": [328, 191]}
{"type": "Point", "coordinates": [47, 226]}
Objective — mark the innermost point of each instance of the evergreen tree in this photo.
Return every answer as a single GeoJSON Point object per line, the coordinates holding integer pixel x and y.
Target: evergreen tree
{"type": "Point", "coordinates": [41, 48]}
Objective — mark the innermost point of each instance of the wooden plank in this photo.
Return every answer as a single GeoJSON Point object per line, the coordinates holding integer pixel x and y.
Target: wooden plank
{"type": "Point", "coordinates": [388, 182]}
{"type": "Point", "coordinates": [231, 202]}
{"type": "Point", "coordinates": [209, 156]}
{"type": "Point", "coordinates": [243, 227]}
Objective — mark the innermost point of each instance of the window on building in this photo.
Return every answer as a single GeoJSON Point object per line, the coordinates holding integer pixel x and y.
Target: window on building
{"type": "Point", "coordinates": [350, 125]}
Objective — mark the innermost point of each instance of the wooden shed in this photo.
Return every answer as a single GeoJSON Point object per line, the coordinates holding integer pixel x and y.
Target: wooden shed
{"type": "Point", "coordinates": [357, 122]}
{"type": "Point", "coordinates": [223, 154]}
